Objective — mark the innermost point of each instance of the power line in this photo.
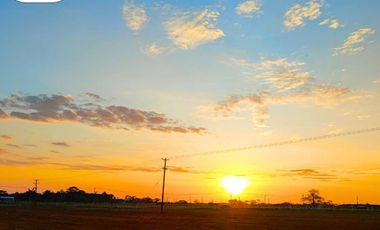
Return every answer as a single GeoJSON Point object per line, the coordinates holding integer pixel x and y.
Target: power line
{"type": "Point", "coordinates": [280, 143]}
{"type": "Point", "coordinates": [260, 146]}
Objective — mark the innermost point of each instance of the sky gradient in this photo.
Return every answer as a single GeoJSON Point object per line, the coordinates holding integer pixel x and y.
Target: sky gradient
{"type": "Point", "coordinates": [94, 93]}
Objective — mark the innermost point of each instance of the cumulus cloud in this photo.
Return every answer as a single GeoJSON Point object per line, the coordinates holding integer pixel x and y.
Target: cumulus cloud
{"type": "Point", "coordinates": [53, 108]}
{"type": "Point", "coordinates": [190, 29]}
{"type": "Point", "coordinates": [279, 73]}
{"type": "Point", "coordinates": [153, 49]}
{"type": "Point", "coordinates": [61, 144]}
{"type": "Point", "coordinates": [135, 16]}
{"type": "Point", "coordinates": [331, 23]}
{"type": "Point", "coordinates": [6, 137]}
{"type": "Point", "coordinates": [297, 14]}
{"type": "Point", "coordinates": [352, 44]}
{"type": "Point", "coordinates": [248, 8]}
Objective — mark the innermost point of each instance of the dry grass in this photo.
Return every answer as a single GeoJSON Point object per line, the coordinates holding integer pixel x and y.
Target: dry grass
{"type": "Point", "coordinates": [81, 217]}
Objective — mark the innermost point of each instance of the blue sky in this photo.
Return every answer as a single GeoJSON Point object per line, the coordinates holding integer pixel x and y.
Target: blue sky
{"type": "Point", "coordinates": [82, 46]}
{"type": "Point", "coordinates": [83, 42]}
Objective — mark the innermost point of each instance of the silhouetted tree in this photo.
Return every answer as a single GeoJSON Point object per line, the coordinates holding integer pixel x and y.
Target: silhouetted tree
{"type": "Point", "coordinates": [72, 194]}
{"type": "Point", "coordinates": [181, 202]}
{"type": "Point", "coordinates": [133, 199]}
{"type": "Point", "coordinates": [313, 197]}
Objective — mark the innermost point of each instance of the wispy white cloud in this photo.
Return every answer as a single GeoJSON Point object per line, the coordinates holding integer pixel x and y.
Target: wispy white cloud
{"type": "Point", "coordinates": [297, 14]}
{"type": "Point", "coordinates": [279, 73]}
{"type": "Point", "coordinates": [135, 16]}
{"type": "Point", "coordinates": [248, 8]}
{"type": "Point", "coordinates": [332, 23]}
{"type": "Point", "coordinates": [153, 49]}
{"type": "Point", "coordinates": [289, 85]}
{"type": "Point", "coordinates": [352, 44]}
{"type": "Point", "coordinates": [162, 6]}
{"type": "Point", "coordinates": [324, 95]}
{"type": "Point", "coordinates": [190, 29]}
{"type": "Point", "coordinates": [332, 128]}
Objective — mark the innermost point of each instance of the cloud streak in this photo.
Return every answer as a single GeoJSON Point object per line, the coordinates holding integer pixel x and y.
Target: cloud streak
{"type": "Point", "coordinates": [56, 108]}
{"type": "Point", "coordinates": [61, 144]}
{"type": "Point", "coordinates": [298, 14]}
{"type": "Point", "coordinates": [6, 137]}
{"type": "Point", "coordinates": [352, 45]}
{"type": "Point", "coordinates": [93, 167]}
{"type": "Point", "coordinates": [13, 145]}
{"type": "Point", "coordinates": [308, 174]}
{"type": "Point", "coordinates": [331, 23]}
{"type": "Point", "coordinates": [190, 29]}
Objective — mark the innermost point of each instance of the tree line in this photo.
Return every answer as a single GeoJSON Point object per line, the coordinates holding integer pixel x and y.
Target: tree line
{"type": "Point", "coordinates": [74, 194]}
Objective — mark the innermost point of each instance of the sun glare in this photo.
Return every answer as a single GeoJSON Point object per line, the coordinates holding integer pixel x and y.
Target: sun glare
{"type": "Point", "coordinates": [234, 184]}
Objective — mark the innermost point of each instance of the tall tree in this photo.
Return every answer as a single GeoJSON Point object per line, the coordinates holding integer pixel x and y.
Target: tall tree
{"type": "Point", "coordinates": [312, 197]}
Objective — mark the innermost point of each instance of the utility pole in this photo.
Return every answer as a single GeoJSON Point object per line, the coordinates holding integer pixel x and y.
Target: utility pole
{"type": "Point", "coordinates": [357, 200]}
{"type": "Point", "coordinates": [163, 185]}
{"type": "Point", "coordinates": [35, 185]}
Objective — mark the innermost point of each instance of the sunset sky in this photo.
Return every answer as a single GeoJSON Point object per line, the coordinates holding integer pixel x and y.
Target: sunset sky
{"type": "Point", "coordinates": [95, 93]}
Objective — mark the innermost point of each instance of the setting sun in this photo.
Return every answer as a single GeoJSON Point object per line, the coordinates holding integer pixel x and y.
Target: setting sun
{"type": "Point", "coordinates": [234, 184]}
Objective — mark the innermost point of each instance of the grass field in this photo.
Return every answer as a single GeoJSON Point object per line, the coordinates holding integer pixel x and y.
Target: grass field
{"type": "Point", "coordinates": [89, 217]}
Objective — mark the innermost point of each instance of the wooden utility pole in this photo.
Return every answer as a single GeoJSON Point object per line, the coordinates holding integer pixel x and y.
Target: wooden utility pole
{"type": "Point", "coordinates": [357, 200]}
{"type": "Point", "coordinates": [35, 185]}
{"type": "Point", "coordinates": [163, 185]}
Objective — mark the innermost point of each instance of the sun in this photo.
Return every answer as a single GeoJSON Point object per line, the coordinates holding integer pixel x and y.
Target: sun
{"type": "Point", "coordinates": [234, 184]}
